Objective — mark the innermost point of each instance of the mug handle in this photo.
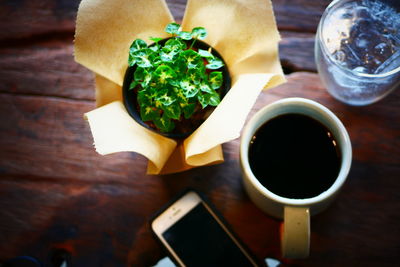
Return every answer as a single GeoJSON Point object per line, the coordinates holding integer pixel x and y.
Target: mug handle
{"type": "Point", "coordinates": [295, 238]}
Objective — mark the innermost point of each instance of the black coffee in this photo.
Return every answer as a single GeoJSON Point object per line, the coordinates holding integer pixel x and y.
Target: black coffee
{"type": "Point", "coordinates": [294, 156]}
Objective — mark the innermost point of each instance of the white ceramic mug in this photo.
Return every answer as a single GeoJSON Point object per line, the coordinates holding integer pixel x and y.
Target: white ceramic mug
{"type": "Point", "coordinates": [295, 239]}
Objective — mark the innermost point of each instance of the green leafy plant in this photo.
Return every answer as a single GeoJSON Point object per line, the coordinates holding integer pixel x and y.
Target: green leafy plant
{"type": "Point", "coordinates": [174, 79]}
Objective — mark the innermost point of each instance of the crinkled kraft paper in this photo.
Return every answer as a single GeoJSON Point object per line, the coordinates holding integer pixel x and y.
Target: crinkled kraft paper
{"type": "Point", "coordinates": [243, 32]}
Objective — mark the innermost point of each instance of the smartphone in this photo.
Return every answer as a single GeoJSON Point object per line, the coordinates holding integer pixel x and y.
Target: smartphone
{"type": "Point", "coordinates": [194, 235]}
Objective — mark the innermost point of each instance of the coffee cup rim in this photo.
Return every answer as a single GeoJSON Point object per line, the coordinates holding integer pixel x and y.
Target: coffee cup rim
{"type": "Point", "coordinates": [345, 145]}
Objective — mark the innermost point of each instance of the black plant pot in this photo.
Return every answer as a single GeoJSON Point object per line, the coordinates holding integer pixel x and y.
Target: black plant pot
{"type": "Point", "coordinates": [132, 106]}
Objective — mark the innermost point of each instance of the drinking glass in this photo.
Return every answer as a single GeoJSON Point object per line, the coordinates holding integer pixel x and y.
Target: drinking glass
{"type": "Point", "coordinates": [357, 49]}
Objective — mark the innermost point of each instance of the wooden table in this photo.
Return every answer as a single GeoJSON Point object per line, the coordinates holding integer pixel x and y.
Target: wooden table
{"type": "Point", "coordinates": [57, 192]}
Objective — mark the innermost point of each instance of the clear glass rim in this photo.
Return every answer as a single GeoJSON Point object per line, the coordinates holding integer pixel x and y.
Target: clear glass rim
{"type": "Point", "coordinates": [319, 40]}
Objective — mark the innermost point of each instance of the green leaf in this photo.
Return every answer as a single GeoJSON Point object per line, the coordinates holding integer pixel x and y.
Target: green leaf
{"type": "Point", "coordinates": [164, 123]}
{"type": "Point", "coordinates": [179, 65]}
{"type": "Point", "coordinates": [172, 28]}
{"type": "Point", "coordinates": [131, 60]}
{"type": "Point", "coordinates": [194, 76]}
{"type": "Point", "coordinates": [175, 44]}
{"type": "Point", "coordinates": [192, 58]}
{"type": "Point", "coordinates": [174, 82]}
{"type": "Point", "coordinates": [188, 110]}
{"type": "Point", "coordinates": [165, 98]}
{"type": "Point", "coordinates": [158, 104]}
{"type": "Point", "coordinates": [178, 93]}
{"type": "Point", "coordinates": [214, 64]}
{"type": "Point", "coordinates": [185, 35]}
{"type": "Point", "coordinates": [155, 60]}
{"type": "Point", "coordinates": [201, 70]}
{"type": "Point", "coordinates": [137, 45]}
{"type": "Point", "coordinates": [164, 73]}
{"type": "Point", "coordinates": [203, 99]}
{"type": "Point", "coordinates": [215, 79]}
{"type": "Point", "coordinates": [144, 98]}
{"type": "Point", "coordinates": [155, 39]}
{"type": "Point", "coordinates": [199, 33]}
{"type": "Point", "coordinates": [142, 76]}
{"type": "Point", "coordinates": [148, 113]}
{"type": "Point", "coordinates": [205, 87]}
{"type": "Point", "coordinates": [146, 81]}
{"type": "Point", "coordinates": [142, 57]}
{"type": "Point", "coordinates": [139, 74]}
{"type": "Point", "coordinates": [173, 111]}
{"type": "Point", "coordinates": [154, 48]}
{"type": "Point", "coordinates": [133, 84]}
{"type": "Point", "coordinates": [167, 55]}
{"type": "Point", "coordinates": [211, 99]}
{"type": "Point", "coordinates": [205, 53]}
{"type": "Point", "coordinates": [189, 89]}
{"type": "Point", "coordinates": [214, 99]}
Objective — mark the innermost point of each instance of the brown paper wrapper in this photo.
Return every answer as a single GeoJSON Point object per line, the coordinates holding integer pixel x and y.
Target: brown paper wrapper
{"type": "Point", "coordinates": [243, 32]}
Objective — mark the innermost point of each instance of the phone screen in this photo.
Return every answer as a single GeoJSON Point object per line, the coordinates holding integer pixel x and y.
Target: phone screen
{"type": "Point", "coordinates": [199, 240]}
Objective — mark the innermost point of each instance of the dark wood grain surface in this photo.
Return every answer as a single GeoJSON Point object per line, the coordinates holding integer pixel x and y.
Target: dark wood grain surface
{"type": "Point", "coordinates": [57, 192]}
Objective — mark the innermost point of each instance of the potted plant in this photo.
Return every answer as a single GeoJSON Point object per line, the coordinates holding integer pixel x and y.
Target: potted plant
{"type": "Point", "coordinates": [173, 85]}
